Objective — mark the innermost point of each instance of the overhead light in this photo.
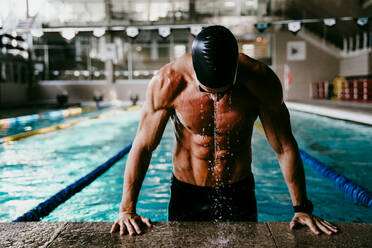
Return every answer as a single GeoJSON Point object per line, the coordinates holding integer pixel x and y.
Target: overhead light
{"type": "Point", "coordinates": [68, 33]}
{"type": "Point", "coordinates": [178, 14]}
{"type": "Point", "coordinates": [5, 40]}
{"type": "Point", "coordinates": [132, 32]}
{"type": "Point", "coordinates": [76, 73]}
{"type": "Point", "coordinates": [14, 43]}
{"type": "Point", "coordinates": [98, 32]}
{"type": "Point", "coordinates": [164, 32]}
{"type": "Point", "coordinates": [24, 55]}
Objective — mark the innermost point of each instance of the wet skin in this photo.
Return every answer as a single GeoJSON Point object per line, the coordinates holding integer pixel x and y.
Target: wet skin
{"type": "Point", "coordinates": [213, 136]}
{"type": "Point", "coordinates": [213, 132]}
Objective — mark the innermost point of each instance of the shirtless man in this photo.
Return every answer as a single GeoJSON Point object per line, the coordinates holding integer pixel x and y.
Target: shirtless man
{"type": "Point", "coordinates": [213, 97]}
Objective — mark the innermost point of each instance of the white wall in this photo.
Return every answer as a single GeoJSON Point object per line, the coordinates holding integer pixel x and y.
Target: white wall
{"type": "Point", "coordinates": [84, 90]}
{"type": "Point", "coordinates": [355, 65]}
{"type": "Point", "coordinates": [317, 66]}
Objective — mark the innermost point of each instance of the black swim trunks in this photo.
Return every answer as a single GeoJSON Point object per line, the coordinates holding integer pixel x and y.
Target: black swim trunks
{"type": "Point", "coordinates": [231, 202]}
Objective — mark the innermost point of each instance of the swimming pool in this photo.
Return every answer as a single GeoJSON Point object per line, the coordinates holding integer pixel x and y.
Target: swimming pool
{"type": "Point", "coordinates": [33, 169]}
{"type": "Point", "coordinates": [32, 122]}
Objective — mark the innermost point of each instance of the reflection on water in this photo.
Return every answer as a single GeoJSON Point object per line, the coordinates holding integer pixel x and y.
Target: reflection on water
{"type": "Point", "coordinates": [33, 169]}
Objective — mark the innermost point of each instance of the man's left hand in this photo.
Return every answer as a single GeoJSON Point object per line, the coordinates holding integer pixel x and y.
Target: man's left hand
{"type": "Point", "coordinates": [316, 224]}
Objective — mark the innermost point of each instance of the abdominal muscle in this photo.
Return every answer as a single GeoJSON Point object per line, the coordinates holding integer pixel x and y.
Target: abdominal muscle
{"type": "Point", "coordinates": [197, 161]}
{"type": "Point", "coordinates": [213, 138]}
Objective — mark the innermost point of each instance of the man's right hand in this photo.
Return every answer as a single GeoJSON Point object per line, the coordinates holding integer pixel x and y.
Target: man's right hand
{"type": "Point", "coordinates": [131, 222]}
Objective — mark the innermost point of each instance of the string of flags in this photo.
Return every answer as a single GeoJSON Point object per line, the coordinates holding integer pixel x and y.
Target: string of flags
{"type": "Point", "coordinates": [294, 26]}
{"type": "Point", "coordinates": [164, 31]}
{"type": "Point", "coordinates": [131, 32]}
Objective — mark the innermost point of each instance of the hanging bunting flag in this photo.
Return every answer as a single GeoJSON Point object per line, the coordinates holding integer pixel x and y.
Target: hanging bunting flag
{"type": "Point", "coordinates": [362, 21]}
{"type": "Point", "coordinates": [164, 32]}
{"type": "Point", "coordinates": [98, 32]}
{"type": "Point", "coordinates": [37, 32]}
{"type": "Point", "coordinates": [132, 32]}
{"type": "Point", "coordinates": [68, 33]}
{"type": "Point", "coordinates": [330, 22]}
{"type": "Point", "coordinates": [294, 27]}
{"type": "Point", "coordinates": [195, 30]}
{"type": "Point", "coordinates": [261, 27]}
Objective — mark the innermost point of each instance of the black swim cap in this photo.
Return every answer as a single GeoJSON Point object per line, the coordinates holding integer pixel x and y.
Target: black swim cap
{"type": "Point", "coordinates": [215, 57]}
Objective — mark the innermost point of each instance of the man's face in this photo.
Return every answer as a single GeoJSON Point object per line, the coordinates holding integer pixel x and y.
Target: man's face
{"type": "Point", "coordinates": [216, 93]}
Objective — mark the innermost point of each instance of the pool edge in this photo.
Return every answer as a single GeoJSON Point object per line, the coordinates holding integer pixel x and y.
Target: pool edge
{"type": "Point", "coordinates": [180, 234]}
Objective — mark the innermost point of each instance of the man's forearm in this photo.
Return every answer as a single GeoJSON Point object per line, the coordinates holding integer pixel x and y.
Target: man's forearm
{"type": "Point", "coordinates": [294, 175]}
{"type": "Point", "coordinates": [135, 171]}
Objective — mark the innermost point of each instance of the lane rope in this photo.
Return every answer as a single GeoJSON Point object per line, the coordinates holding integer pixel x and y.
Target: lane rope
{"type": "Point", "coordinates": [54, 128]}
{"type": "Point", "coordinates": [44, 208]}
{"type": "Point", "coordinates": [356, 192]}
{"type": "Point", "coordinates": [52, 115]}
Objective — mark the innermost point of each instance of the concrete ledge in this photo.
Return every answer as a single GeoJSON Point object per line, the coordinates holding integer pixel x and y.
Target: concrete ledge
{"type": "Point", "coordinates": [180, 234]}
{"type": "Point", "coordinates": [362, 117]}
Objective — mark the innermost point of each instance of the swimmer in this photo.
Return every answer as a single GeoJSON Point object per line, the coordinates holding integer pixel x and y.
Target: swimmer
{"type": "Point", "coordinates": [213, 96]}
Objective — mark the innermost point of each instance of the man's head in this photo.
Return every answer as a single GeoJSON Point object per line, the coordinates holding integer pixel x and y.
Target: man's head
{"type": "Point", "coordinates": [215, 58]}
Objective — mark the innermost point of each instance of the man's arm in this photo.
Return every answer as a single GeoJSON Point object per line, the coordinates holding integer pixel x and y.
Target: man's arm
{"type": "Point", "coordinates": [276, 122]}
{"type": "Point", "coordinates": [154, 117]}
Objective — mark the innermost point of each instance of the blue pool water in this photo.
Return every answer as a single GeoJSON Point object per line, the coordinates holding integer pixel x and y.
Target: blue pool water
{"type": "Point", "coordinates": [33, 169]}
{"type": "Point", "coordinates": [53, 118]}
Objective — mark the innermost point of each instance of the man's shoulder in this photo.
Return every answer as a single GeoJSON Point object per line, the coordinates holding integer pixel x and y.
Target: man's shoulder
{"type": "Point", "coordinates": [260, 80]}
{"type": "Point", "coordinates": [176, 70]}
{"type": "Point", "coordinates": [170, 80]}
{"type": "Point", "coordinates": [250, 64]}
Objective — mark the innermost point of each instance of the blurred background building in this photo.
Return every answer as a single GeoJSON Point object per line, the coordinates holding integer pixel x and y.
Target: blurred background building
{"type": "Point", "coordinates": [319, 49]}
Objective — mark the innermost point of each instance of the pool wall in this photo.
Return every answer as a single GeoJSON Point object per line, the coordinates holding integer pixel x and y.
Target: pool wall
{"type": "Point", "coordinates": [180, 234]}
{"type": "Point", "coordinates": [84, 90]}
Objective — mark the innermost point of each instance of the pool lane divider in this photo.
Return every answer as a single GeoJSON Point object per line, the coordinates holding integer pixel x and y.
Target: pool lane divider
{"type": "Point", "coordinates": [46, 207]}
{"type": "Point", "coordinates": [52, 115]}
{"type": "Point", "coordinates": [54, 128]}
{"type": "Point", "coordinates": [356, 192]}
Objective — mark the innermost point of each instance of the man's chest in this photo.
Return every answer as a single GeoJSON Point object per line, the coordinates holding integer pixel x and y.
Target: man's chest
{"type": "Point", "coordinates": [201, 114]}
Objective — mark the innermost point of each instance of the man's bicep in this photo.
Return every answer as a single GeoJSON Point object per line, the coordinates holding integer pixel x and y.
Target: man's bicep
{"type": "Point", "coordinates": [151, 128]}
{"type": "Point", "coordinates": [154, 117]}
{"type": "Point", "coordinates": [276, 123]}
{"type": "Point", "coordinates": [262, 82]}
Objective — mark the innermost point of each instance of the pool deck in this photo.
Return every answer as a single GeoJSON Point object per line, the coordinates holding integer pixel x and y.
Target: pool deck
{"type": "Point", "coordinates": [359, 112]}
{"type": "Point", "coordinates": [180, 234]}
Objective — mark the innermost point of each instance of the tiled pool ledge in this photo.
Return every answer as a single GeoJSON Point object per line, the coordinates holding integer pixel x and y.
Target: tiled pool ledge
{"type": "Point", "coordinates": [176, 234]}
{"type": "Point", "coordinates": [362, 116]}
